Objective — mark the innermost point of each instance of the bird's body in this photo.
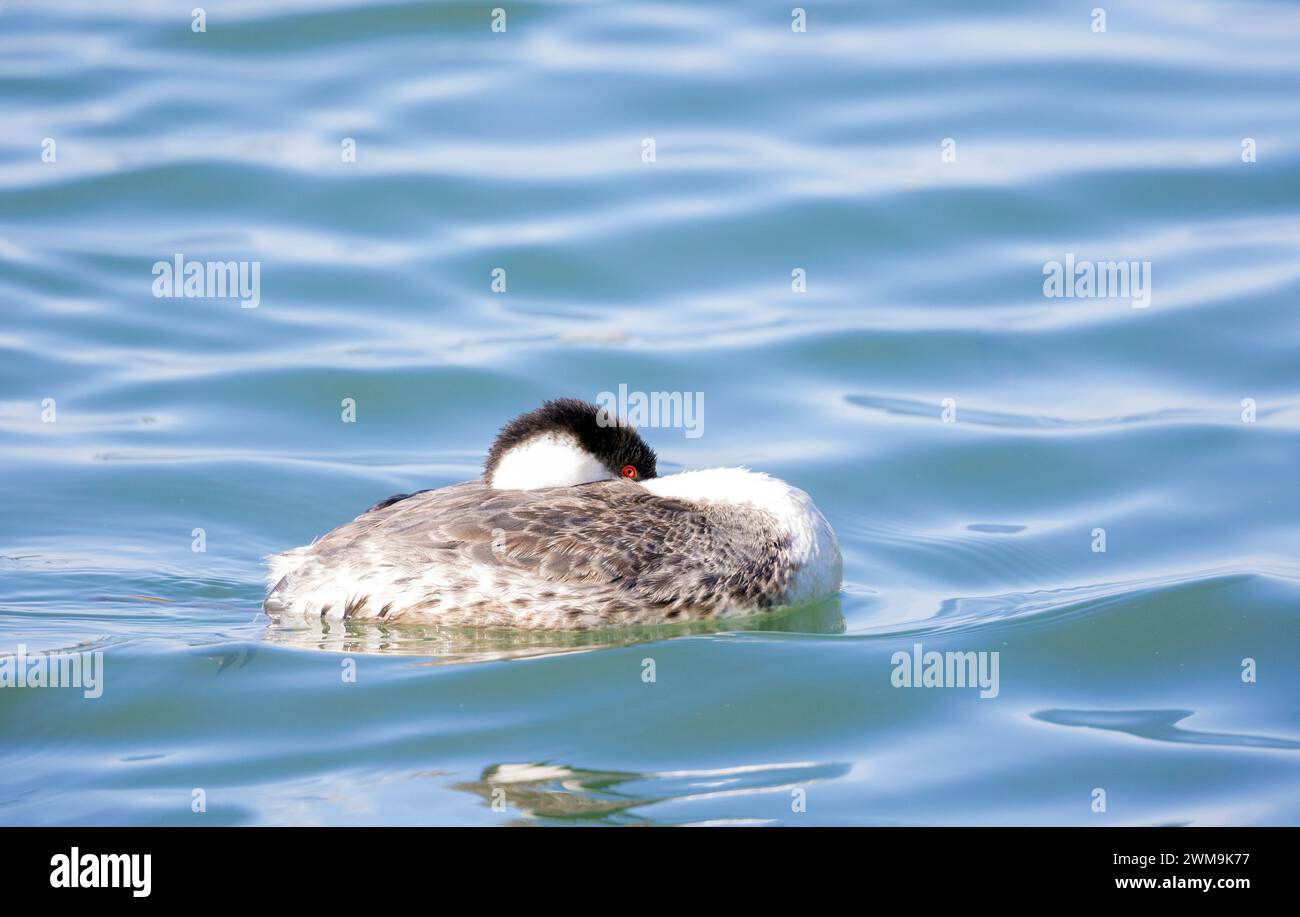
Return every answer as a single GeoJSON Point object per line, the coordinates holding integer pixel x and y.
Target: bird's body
{"type": "Point", "coordinates": [577, 554]}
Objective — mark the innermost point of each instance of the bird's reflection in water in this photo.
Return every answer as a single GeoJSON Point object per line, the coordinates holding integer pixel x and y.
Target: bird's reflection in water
{"type": "Point", "coordinates": [529, 793]}
{"type": "Point", "coordinates": [465, 644]}
{"type": "Point", "coordinates": [545, 791]}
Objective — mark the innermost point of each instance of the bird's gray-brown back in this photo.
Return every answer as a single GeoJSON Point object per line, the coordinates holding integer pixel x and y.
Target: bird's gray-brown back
{"type": "Point", "coordinates": [562, 558]}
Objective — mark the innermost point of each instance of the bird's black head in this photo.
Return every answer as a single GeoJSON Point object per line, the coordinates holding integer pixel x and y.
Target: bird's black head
{"type": "Point", "coordinates": [563, 443]}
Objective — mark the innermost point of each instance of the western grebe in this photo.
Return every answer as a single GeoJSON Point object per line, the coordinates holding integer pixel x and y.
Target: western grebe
{"type": "Point", "coordinates": [569, 528]}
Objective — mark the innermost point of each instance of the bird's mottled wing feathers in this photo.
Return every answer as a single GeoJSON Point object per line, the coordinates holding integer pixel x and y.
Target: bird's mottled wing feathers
{"type": "Point", "coordinates": [611, 531]}
{"type": "Point", "coordinates": [598, 553]}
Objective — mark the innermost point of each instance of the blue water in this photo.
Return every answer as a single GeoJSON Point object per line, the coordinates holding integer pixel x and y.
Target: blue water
{"type": "Point", "coordinates": [128, 421]}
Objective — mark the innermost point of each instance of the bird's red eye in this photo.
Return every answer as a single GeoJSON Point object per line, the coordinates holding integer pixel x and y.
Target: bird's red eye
{"type": "Point", "coordinates": [629, 471]}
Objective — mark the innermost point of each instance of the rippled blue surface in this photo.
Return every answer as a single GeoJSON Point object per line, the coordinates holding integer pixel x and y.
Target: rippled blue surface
{"type": "Point", "coordinates": [775, 150]}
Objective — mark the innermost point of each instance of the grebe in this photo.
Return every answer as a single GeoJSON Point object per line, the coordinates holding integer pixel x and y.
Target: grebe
{"type": "Point", "coordinates": [569, 528]}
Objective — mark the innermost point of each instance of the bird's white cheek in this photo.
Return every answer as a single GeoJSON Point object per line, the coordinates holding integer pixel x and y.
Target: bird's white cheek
{"type": "Point", "coordinates": [547, 461]}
